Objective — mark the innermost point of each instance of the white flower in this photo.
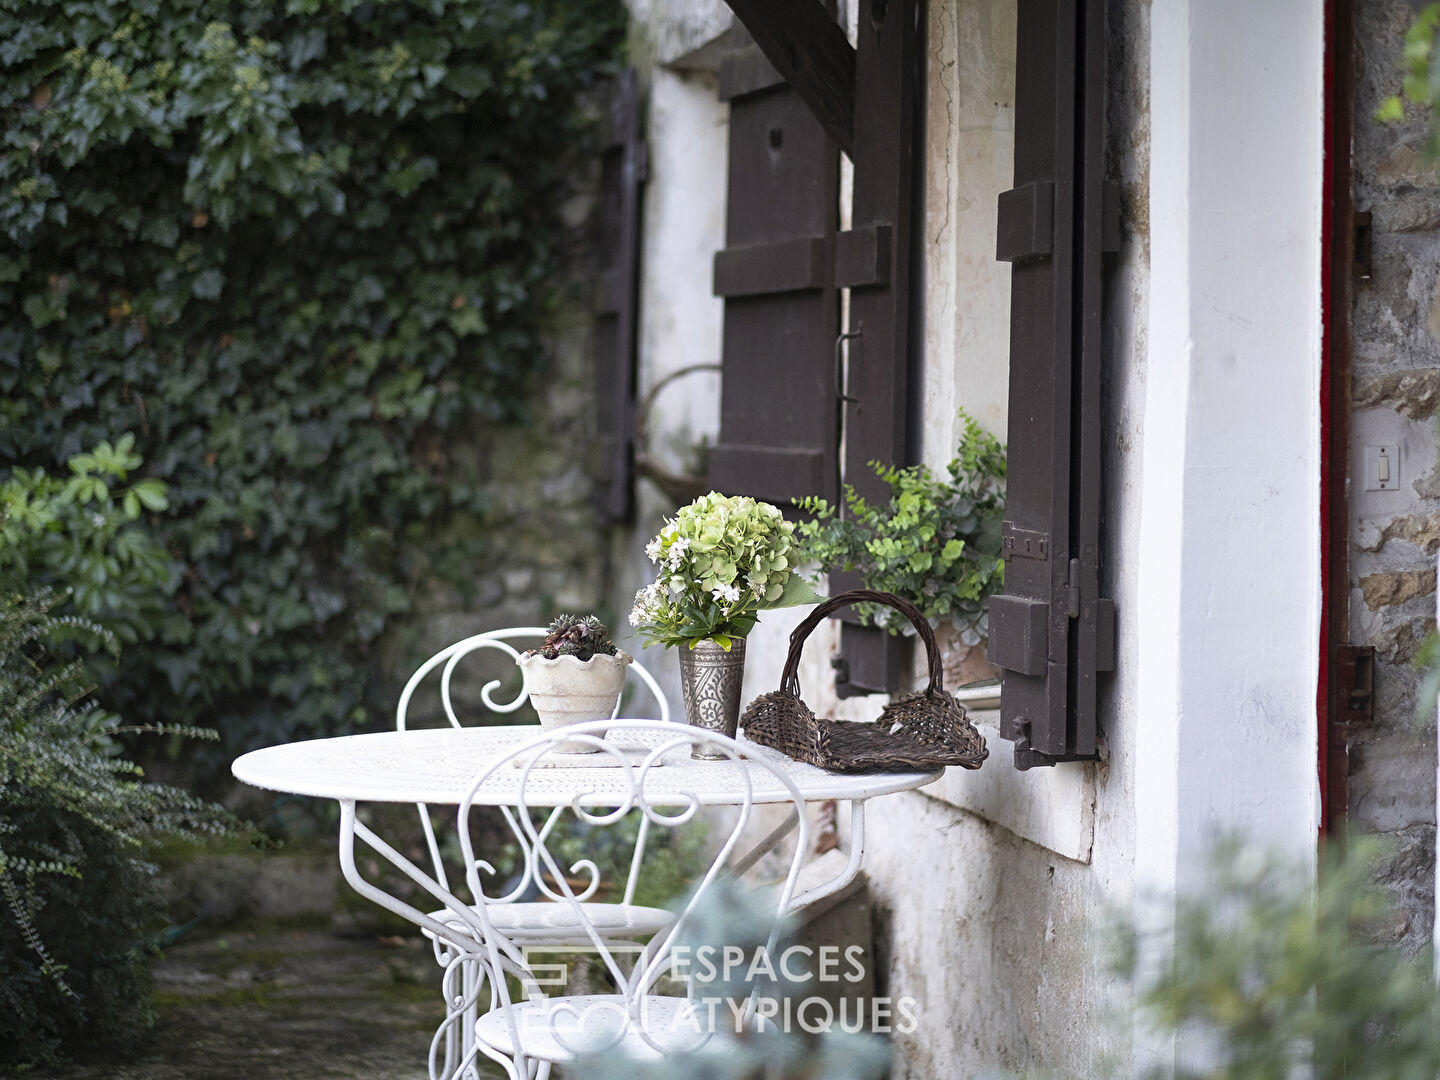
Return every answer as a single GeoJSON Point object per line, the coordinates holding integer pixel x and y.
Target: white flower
{"type": "Point", "coordinates": [637, 615]}
{"type": "Point", "coordinates": [652, 549]}
{"type": "Point", "coordinates": [728, 593]}
{"type": "Point", "coordinates": [757, 584]}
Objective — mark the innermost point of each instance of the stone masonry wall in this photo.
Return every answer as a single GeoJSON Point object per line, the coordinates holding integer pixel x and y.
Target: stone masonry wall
{"type": "Point", "coordinates": [1396, 533]}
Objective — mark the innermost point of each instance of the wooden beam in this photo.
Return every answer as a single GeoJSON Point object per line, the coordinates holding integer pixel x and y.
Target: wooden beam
{"type": "Point", "coordinates": [811, 52]}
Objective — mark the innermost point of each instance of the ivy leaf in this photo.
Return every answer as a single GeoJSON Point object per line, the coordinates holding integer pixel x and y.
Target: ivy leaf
{"type": "Point", "coordinates": [151, 494]}
{"type": "Point", "coordinates": [208, 285]}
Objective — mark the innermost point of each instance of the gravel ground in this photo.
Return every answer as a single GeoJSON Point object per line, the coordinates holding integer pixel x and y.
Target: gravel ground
{"type": "Point", "coordinates": [287, 1005]}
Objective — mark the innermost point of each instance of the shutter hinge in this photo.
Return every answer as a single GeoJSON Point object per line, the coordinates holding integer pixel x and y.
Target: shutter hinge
{"type": "Point", "coordinates": [1072, 590]}
{"type": "Point", "coordinates": [1356, 682]}
{"type": "Point", "coordinates": [1360, 255]}
{"type": "Point", "coordinates": [1024, 543]}
{"type": "Point", "coordinates": [844, 688]}
{"type": "Point", "coordinates": [1015, 729]}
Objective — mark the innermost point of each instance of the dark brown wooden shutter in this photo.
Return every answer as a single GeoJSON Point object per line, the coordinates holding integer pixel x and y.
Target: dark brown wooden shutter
{"type": "Point", "coordinates": [1051, 631]}
{"type": "Point", "coordinates": [779, 420]}
{"type": "Point", "coordinates": [865, 98]}
{"type": "Point", "coordinates": [873, 260]}
{"type": "Point", "coordinates": [617, 301]}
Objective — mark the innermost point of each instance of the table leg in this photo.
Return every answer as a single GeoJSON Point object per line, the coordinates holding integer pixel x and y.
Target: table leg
{"type": "Point", "coordinates": [852, 867]}
{"type": "Point", "coordinates": [350, 830]}
{"type": "Point", "coordinates": [462, 935]}
{"type": "Point", "coordinates": [766, 845]}
{"type": "Point", "coordinates": [835, 884]}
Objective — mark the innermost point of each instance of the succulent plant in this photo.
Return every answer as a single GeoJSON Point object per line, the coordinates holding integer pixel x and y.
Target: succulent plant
{"type": "Point", "coordinates": [572, 635]}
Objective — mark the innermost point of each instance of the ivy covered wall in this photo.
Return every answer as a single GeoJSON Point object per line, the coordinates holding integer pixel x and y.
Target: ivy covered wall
{"type": "Point", "coordinates": [308, 252]}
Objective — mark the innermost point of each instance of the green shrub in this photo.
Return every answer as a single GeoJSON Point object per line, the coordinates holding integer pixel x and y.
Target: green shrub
{"type": "Point", "coordinates": [76, 896]}
{"type": "Point", "coordinates": [1276, 976]}
{"type": "Point", "coordinates": [936, 543]}
{"type": "Point", "coordinates": [301, 249]}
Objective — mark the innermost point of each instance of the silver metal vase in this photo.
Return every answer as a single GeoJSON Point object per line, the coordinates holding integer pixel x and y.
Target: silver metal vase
{"type": "Point", "coordinates": [710, 680]}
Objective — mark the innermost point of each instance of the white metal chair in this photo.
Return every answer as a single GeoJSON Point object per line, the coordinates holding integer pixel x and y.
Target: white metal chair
{"type": "Point", "coordinates": [525, 1037]}
{"type": "Point", "coordinates": [526, 922]}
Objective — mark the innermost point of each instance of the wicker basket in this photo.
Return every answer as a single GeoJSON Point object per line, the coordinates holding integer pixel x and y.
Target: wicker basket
{"type": "Point", "coordinates": [924, 730]}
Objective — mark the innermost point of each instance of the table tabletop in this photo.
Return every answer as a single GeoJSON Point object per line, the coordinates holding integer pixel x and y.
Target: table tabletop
{"type": "Point", "coordinates": [440, 765]}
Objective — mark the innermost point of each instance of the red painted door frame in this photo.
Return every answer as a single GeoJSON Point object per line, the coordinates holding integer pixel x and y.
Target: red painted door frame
{"type": "Point", "coordinates": [1337, 261]}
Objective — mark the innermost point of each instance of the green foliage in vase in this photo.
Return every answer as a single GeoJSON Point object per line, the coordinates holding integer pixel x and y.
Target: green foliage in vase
{"type": "Point", "coordinates": [580, 637]}
{"type": "Point", "coordinates": [1274, 975]}
{"type": "Point", "coordinates": [77, 897]}
{"type": "Point", "coordinates": [301, 249]}
{"type": "Point", "coordinates": [720, 561]}
{"type": "Point", "coordinates": [1421, 78]}
{"type": "Point", "coordinates": [936, 542]}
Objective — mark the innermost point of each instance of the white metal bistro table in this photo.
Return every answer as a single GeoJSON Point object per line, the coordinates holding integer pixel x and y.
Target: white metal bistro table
{"type": "Point", "coordinates": [440, 766]}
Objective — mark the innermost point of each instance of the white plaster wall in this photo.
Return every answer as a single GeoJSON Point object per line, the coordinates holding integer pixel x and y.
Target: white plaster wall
{"type": "Point", "coordinates": [1229, 539]}
{"type": "Point", "coordinates": [1230, 536]}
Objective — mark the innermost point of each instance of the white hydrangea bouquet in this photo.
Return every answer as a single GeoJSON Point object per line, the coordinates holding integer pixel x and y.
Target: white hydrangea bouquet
{"type": "Point", "coordinates": [723, 560]}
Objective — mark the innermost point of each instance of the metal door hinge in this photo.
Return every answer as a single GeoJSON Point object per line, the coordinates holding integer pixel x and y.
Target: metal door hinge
{"type": "Point", "coordinates": [1355, 683]}
{"type": "Point", "coordinates": [1072, 590]}
{"type": "Point", "coordinates": [1360, 257]}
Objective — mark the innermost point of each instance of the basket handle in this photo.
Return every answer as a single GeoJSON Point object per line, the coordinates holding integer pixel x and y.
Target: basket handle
{"type": "Point", "coordinates": [790, 679]}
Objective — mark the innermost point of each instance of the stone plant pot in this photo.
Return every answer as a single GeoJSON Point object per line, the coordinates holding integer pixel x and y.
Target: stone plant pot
{"type": "Point", "coordinates": [569, 691]}
{"type": "Point", "coordinates": [962, 663]}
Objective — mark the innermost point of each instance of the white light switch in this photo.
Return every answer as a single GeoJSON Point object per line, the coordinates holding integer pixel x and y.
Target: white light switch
{"type": "Point", "coordinates": [1382, 467]}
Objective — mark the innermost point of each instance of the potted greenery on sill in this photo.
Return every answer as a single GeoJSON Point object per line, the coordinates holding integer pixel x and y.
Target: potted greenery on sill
{"type": "Point", "coordinates": [936, 542]}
